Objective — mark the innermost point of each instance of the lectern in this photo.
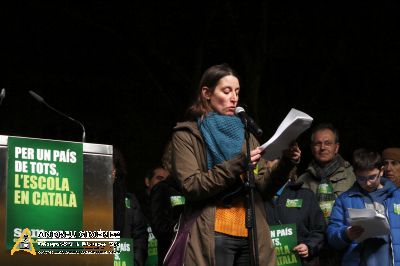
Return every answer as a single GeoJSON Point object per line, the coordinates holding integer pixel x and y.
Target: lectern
{"type": "Point", "coordinates": [41, 183]}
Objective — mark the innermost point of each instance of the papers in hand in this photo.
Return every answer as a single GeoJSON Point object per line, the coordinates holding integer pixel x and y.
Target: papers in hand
{"type": "Point", "coordinates": [374, 224]}
{"type": "Point", "coordinates": [295, 123]}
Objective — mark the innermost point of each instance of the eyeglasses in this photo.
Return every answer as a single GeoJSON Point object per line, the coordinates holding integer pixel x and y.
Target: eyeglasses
{"type": "Point", "coordinates": [368, 178]}
{"type": "Point", "coordinates": [325, 143]}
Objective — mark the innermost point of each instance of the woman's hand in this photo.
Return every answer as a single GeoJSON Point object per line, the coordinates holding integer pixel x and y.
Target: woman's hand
{"type": "Point", "coordinates": [255, 155]}
{"type": "Point", "coordinates": [302, 250]}
{"type": "Point", "coordinates": [293, 153]}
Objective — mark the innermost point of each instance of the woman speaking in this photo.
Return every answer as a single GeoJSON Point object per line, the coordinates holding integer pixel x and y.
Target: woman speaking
{"type": "Point", "coordinates": [210, 161]}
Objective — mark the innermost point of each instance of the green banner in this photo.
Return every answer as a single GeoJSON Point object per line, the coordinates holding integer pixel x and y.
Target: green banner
{"type": "Point", "coordinates": [124, 253]}
{"type": "Point", "coordinates": [284, 237]}
{"type": "Point", "coordinates": [44, 187]}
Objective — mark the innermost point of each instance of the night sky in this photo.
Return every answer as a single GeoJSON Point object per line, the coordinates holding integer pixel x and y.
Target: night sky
{"type": "Point", "coordinates": [128, 70]}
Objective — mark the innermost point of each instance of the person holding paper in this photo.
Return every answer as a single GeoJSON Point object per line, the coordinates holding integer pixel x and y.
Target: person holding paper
{"type": "Point", "coordinates": [372, 191]}
{"type": "Point", "coordinates": [293, 204]}
{"type": "Point", "coordinates": [209, 160]}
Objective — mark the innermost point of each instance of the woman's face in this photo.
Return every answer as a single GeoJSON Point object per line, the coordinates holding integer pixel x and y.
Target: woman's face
{"type": "Point", "coordinates": [225, 96]}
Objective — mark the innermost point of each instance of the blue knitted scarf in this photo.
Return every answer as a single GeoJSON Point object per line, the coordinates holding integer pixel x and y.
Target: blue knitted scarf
{"type": "Point", "coordinates": [224, 136]}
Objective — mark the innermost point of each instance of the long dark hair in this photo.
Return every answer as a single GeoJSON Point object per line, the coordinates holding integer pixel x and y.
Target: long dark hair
{"type": "Point", "coordinates": [210, 80]}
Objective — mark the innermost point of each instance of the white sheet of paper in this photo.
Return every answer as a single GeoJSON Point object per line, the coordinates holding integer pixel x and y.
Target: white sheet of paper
{"type": "Point", "coordinates": [374, 224]}
{"type": "Point", "coordinates": [295, 123]}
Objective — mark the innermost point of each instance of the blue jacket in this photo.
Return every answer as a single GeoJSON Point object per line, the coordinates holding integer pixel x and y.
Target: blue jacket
{"type": "Point", "coordinates": [353, 198]}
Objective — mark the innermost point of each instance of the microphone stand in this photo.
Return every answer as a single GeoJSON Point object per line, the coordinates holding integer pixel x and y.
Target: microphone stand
{"type": "Point", "coordinates": [41, 100]}
{"type": "Point", "coordinates": [70, 118]}
{"type": "Point", "coordinates": [250, 210]}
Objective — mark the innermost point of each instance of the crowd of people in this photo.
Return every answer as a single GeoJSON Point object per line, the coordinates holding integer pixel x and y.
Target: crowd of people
{"type": "Point", "coordinates": [212, 175]}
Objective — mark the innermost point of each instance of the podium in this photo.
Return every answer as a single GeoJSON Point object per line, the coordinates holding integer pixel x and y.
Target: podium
{"type": "Point", "coordinates": [97, 191]}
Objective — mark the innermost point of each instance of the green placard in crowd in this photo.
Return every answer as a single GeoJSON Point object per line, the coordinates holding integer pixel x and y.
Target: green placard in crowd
{"type": "Point", "coordinates": [124, 253]}
{"type": "Point", "coordinates": [44, 187]}
{"type": "Point", "coordinates": [152, 254]}
{"type": "Point", "coordinates": [284, 238]}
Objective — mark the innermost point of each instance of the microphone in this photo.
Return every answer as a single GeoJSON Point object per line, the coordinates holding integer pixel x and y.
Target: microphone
{"type": "Point", "coordinates": [41, 100]}
{"type": "Point", "coordinates": [2, 95]}
{"type": "Point", "coordinates": [248, 121]}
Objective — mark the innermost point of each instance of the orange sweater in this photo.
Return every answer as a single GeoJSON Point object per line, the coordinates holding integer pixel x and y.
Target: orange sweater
{"type": "Point", "coordinates": [231, 221]}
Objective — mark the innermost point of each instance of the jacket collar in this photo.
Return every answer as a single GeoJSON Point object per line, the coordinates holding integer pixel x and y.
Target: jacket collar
{"type": "Point", "coordinates": [190, 126]}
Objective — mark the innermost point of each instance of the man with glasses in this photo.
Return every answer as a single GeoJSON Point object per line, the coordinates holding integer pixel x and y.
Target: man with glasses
{"type": "Point", "coordinates": [391, 159]}
{"type": "Point", "coordinates": [371, 191]}
{"type": "Point", "coordinates": [328, 175]}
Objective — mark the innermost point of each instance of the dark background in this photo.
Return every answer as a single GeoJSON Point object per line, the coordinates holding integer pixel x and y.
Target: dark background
{"type": "Point", "coordinates": [128, 70]}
